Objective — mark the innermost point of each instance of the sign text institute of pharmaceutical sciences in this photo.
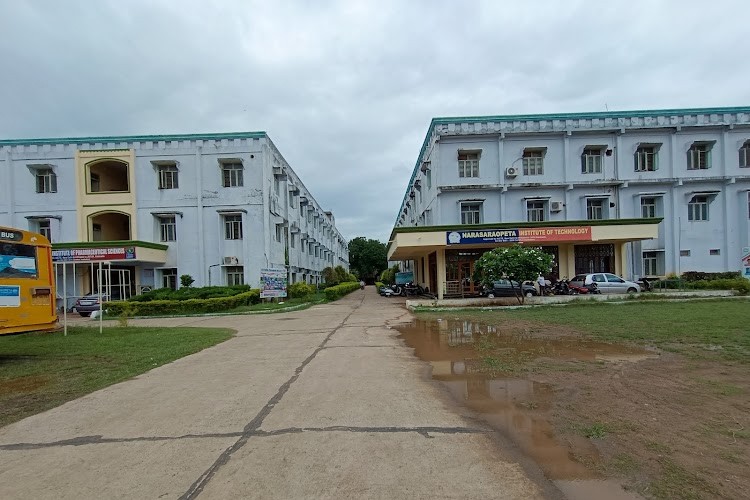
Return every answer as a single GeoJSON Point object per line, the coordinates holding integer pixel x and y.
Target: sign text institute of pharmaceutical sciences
{"type": "Point", "coordinates": [519, 235]}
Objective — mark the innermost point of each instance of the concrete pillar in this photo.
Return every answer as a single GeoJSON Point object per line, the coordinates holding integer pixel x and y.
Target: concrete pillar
{"type": "Point", "coordinates": [440, 273]}
{"type": "Point", "coordinates": [570, 260]}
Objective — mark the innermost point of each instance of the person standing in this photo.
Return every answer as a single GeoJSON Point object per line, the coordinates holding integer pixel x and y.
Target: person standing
{"type": "Point", "coordinates": [542, 284]}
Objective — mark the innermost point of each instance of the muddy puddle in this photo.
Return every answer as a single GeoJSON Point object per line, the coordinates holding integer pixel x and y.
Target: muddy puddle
{"type": "Point", "coordinates": [483, 369]}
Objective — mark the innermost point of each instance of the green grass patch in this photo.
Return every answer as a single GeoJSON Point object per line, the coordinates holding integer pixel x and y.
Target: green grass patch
{"type": "Point", "coordinates": [39, 371]}
{"type": "Point", "coordinates": [295, 303]}
{"type": "Point", "coordinates": [705, 328]}
{"type": "Point", "coordinates": [597, 430]}
{"type": "Point", "coordinates": [677, 482]}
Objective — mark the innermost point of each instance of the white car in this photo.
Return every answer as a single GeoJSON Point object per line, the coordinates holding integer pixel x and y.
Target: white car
{"type": "Point", "coordinates": [606, 283]}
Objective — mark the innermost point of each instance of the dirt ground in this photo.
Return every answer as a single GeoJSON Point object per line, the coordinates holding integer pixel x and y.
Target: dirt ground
{"type": "Point", "coordinates": [672, 427]}
{"type": "Point", "coordinates": [663, 425]}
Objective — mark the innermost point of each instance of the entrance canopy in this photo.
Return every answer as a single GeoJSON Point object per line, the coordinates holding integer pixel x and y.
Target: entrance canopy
{"type": "Point", "coordinates": [126, 252]}
{"type": "Point", "coordinates": [408, 243]}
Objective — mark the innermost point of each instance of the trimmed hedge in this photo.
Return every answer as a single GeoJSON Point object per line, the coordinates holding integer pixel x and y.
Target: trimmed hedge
{"type": "Point", "coordinates": [741, 285]}
{"type": "Point", "coordinates": [188, 306]}
{"type": "Point", "coordinates": [187, 293]}
{"type": "Point", "coordinates": [378, 286]}
{"type": "Point", "coordinates": [300, 290]}
{"type": "Point", "coordinates": [699, 276]}
{"type": "Point", "coordinates": [338, 291]}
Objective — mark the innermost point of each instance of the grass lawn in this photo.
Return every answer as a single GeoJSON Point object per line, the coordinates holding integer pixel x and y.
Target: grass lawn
{"type": "Point", "coordinates": [39, 371]}
{"type": "Point", "coordinates": [690, 327]}
{"type": "Point", "coordinates": [317, 298]}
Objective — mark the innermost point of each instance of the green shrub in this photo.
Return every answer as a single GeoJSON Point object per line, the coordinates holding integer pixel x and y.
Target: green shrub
{"type": "Point", "coordinates": [186, 306]}
{"type": "Point", "coordinates": [700, 276]}
{"type": "Point", "coordinates": [335, 292]}
{"type": "Point", "coordinates": [350, 278]}
{"type": "Point", "coordinates": [378, 286]}
{"type": "Point", "coordinates": [187, 293]}
{"type": "Point", "coordinates": [741, 285]}
{"type": "Point", "coordinates": [300, 290]}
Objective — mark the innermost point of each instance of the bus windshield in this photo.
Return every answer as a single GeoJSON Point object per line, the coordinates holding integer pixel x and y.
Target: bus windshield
{"type": "Point", "coordinates": [18, 261]}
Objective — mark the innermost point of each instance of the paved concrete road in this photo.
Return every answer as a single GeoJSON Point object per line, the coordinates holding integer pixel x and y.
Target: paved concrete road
{"type": "Point", "coordinates": [321, 403]}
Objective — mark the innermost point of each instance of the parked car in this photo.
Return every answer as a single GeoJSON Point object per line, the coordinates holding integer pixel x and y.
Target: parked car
{"type": "Point", "coordinates": [502, 288]}
{"type": "Point", "coordinates": [606, 282]}
{"type": "Point", "coordinates": [90, 303]}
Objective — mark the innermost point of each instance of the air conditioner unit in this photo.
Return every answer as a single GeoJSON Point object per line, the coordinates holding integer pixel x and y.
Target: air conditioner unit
{"type": "Point", "coordinates": [555, 206]}
{"type": "Point", "coordinates": [511, 172]}
{"type": "Point", "coordinates": [231, 261]}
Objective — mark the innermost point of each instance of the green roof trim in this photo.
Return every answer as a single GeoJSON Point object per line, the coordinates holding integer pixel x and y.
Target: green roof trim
{"type": "Point", "coordinates": [509, 225]}
{"type": "Point", "coordinates": [560, 116]}
{"type": "Point", "coordinates": [593, 114]}
{"type": "Point", "coordinates": [109, 244]}
{"type": "Point", "coordinates": [134, 138]}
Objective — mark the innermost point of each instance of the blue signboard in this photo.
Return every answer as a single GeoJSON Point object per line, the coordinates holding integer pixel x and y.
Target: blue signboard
{"type": "Point", "coordinates": [10, 296]}
{"type": "Point", "coordinates": [474, 236]}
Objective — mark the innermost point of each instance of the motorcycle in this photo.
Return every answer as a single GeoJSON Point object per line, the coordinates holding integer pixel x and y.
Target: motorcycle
{"type": "Point", "coordinates": [561, 287]}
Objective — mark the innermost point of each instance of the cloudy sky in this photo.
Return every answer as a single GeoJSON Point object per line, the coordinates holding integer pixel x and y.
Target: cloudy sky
{"type": "Point", "coordinates": [346, 89]}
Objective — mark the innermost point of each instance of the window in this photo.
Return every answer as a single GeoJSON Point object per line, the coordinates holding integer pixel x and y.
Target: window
{"type": "Point", "coordinates": [46, 181]}
{"type": "Point", "coordinates": [533, 161]}
{"type": "Point", "coordinates": [468, 164]}
{"type": "Point", "coordinates": [745, 155]}
{"type": "Point", "coordinates": [684, 253]}
{"type": "Point", "coordinates": [428, 178]}
{"type": "Point", "coordinates": [646, 158]}
{"type": "Point", "coordinates": [169, 278]}
{"type": "Point", "coordinates": [292, 240]}
{"type": "Point", "coordinates": [167, 229]}
{"type": "Point", "coordinates": [167, 176]}
{"type": "Point", "coordinates": [591, 160]}
{"type": "Point", "coordinates": [648, 208]}
{"type": "Point", "coordinates": [232, 174]}
{"type": "Point", "coordinates": [279, 232]}
{"type": "Point", "coordinates": [594, 209]}
{"type": "Point", "coordinates": [699, 156]}
{"type": "Point", "coordinates": [235, 275]}
{"type": "Point", "coordinates": [43, 227]}
{"type": "Point", "coordinates": [650, 264]}
{"type": "Point", "coordinates": [96, 232]}
{"type": "Point", "coordinates": [291, 199]}
{"type": "Point", "coordinates": [233, 227]}
{"type": "Point", "coordinates": [748, 205]}
{"type": "Point", "coordinates": [714, 251]}
{"type": "Point", "coordinates": [471, 213]}
{"type": "Point", "coordinates": [698, 208]}
{"type": "Point", "coordinates": [536, 210]}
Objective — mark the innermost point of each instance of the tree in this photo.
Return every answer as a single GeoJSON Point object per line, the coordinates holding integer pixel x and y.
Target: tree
{"type": "Point", "coordinates": [517, 263]}
{"type": "Point", "coordinates": [367, 258]}
{"type": "Point", "coordinates": [186, 280]}
{"type": "Point", "coordinates": [389, 275]}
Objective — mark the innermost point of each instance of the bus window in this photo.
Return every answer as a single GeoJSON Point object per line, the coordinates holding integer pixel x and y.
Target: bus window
{"type": "Point", "coordinates": [18, 261]}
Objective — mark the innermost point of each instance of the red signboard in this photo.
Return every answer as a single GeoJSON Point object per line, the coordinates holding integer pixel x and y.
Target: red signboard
{"type": "Point", "coordinates": [554, 234]}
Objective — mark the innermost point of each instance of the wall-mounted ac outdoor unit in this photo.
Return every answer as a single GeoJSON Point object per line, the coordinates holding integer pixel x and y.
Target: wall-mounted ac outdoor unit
{"type": "Point", "coordinates": [511, 172]}
{"type": "Point", "coordinates": [231, 261]}
{"type": "Point", "coordinates": [555, 206]}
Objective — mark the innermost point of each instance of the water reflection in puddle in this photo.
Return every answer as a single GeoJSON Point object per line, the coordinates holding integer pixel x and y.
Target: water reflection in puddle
{"type": "Point", "coordinates": [513, 404]}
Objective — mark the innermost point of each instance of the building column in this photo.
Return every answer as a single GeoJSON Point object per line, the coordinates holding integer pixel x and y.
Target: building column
{"type": "Point", "coordinates": [621, 259]}
{"type": "Point", "coordinates": [571, 260]}
{"type": "Point", "coordinates": [440, 273]}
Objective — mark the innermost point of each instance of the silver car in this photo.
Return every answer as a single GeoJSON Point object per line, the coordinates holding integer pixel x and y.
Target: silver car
{"type": "Point", "coordinates": [606, 282]}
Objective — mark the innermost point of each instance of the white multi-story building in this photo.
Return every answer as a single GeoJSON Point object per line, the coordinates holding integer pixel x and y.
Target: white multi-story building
{"type": "Point", "coordinates": [218, 207]}
{"type": "Point", "coordinates": [687, 170]}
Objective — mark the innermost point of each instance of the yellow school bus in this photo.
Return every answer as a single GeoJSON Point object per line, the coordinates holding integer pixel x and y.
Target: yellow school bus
{"type": "Point", "coordinates": [27, 282]}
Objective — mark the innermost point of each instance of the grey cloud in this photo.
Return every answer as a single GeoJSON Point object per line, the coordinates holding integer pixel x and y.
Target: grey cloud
{"type": "Point", "coordinates": [346, 89]}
